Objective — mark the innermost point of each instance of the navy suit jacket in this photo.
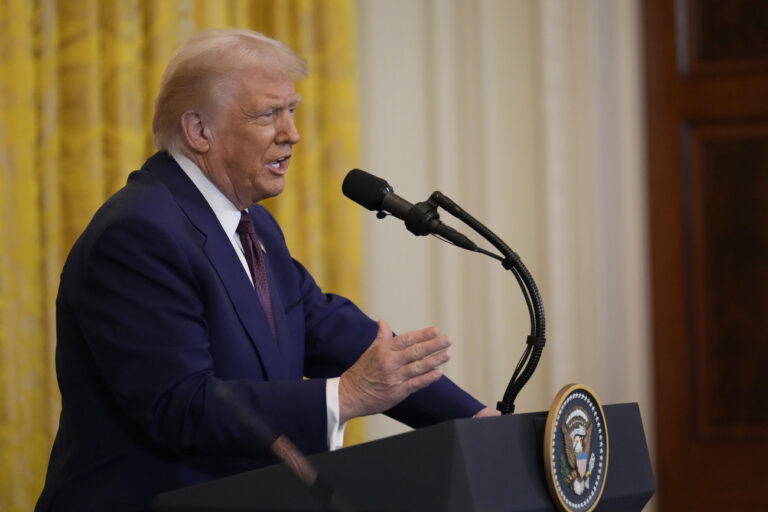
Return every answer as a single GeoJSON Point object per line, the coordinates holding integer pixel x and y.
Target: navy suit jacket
{"type": "Point", "coordinates": [163, 346]}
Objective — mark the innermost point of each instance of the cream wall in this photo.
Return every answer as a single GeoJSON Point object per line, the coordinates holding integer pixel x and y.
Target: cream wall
{"type": "Point", "coordinates": [526, 113]}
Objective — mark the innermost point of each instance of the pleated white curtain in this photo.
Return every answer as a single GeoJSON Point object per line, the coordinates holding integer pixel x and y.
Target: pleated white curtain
{"type": "Point", "coordinates": [528, 114]}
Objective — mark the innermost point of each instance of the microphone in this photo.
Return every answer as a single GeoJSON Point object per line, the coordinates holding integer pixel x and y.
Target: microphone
{"type": "Point", "coordinates": [282, 447]}
{"type": "Point", "coordinates": [420, 219]}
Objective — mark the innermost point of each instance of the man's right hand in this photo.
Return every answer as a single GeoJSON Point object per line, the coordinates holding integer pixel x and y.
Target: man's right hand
{"type": "Point", "coordinates": [390, 370]}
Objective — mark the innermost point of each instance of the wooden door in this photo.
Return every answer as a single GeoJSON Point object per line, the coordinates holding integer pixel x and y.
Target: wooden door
{"type": "Point", "coordinates": [707, 140]}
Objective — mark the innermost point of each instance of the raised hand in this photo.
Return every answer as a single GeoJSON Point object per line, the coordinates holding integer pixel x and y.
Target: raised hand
{"type": "Point", "coordinates": [392, 368]}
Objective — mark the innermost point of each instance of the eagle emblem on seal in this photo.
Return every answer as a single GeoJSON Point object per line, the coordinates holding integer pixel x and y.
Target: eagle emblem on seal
{"type": "Point", "coordinates": [578, 462]}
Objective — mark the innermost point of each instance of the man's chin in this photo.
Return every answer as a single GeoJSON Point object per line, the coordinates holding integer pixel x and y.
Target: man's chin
{"type": "Point", "coordinates": [275, 189]}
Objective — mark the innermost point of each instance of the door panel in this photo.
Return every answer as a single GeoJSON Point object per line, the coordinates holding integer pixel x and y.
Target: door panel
{"type": "Point", "coordinates": [707, 134]}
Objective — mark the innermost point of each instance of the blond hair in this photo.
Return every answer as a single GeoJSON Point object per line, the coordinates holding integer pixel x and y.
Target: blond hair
{"type": "Point", "coordinates": [201, 72]}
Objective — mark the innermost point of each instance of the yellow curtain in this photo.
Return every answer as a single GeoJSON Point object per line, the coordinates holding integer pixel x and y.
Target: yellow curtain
{"type": "Point", "coordinates": [77, 84]}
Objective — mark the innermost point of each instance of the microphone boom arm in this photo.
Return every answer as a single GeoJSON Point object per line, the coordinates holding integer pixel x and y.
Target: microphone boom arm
{"type": "Point", "coordinates": [422, 219]}
{"type": "Point", "coordinates": [511, 261]}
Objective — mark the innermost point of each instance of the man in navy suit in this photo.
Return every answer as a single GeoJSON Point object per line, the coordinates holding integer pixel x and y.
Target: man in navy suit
{"type": "Point", "coordinates": [171, 325]}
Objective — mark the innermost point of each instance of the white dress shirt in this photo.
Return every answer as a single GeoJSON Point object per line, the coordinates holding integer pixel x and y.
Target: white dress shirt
{"type": "Point", "coordinates": [229, 218]}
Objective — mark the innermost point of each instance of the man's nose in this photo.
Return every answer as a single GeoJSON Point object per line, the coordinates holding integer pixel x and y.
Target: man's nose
{"type": "Point", "coordinates": [286, 130]}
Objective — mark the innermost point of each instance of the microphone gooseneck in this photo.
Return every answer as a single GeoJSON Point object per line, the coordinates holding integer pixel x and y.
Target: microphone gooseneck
{"type": "Point", "coordinates": [421, 219]}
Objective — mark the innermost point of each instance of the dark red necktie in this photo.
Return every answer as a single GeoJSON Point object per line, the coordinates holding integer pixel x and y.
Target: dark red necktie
{"type": "Point", "coordinates": [255, 258]}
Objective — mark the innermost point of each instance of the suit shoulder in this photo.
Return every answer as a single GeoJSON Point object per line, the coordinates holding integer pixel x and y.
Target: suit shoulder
{"type": "Point", "coordinates": [144, 203]}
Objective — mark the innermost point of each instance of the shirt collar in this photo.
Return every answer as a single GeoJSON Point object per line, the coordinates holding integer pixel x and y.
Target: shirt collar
{"type": "Point", "coordinates": [225, 210]}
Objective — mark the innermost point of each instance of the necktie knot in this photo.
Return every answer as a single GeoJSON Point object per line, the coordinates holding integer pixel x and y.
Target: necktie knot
{"type": "Point", "coordinates": [245, 227]}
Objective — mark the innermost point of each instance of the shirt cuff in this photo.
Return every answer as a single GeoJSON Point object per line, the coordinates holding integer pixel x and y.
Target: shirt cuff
{"type": "Point", "coordinates": [335, 429]}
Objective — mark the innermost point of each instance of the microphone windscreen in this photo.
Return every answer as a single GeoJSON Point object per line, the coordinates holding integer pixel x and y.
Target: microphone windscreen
{"type": "Point", "coordinates": [365, 189]}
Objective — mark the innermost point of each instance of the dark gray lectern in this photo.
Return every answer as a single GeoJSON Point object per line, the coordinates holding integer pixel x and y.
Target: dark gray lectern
{"type": "Point", "coordinates": [488, 464]}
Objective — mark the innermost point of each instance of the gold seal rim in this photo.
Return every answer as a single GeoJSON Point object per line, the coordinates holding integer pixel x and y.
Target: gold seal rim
{"type": "Point", "coordinates": [549, 434]}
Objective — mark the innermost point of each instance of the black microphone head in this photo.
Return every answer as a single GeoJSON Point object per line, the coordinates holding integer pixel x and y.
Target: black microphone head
{"type": "Point", "coordinates": [365, 189]}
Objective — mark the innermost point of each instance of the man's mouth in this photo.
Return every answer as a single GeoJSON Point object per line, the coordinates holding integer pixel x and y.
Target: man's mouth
{"type": "Point", "coordinates": [280, 165]}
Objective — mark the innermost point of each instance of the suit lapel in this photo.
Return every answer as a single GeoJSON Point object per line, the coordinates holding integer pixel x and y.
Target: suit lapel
{"type": "Point", "coordinates": [221, 254]}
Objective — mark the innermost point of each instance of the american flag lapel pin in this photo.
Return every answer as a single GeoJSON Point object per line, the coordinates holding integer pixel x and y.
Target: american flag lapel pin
{"type": "Point", "coordinates": [262, 248]}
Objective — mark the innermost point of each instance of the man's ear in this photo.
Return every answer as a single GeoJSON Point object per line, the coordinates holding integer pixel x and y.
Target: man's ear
{"type": "Point", "coordinates": [195, 134]}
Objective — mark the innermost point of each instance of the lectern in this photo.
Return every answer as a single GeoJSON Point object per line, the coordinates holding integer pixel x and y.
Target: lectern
{"type": "Point", "coordinates": [485, 464]}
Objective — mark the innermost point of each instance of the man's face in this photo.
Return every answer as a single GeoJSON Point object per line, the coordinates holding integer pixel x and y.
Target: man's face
{"type": "Point", "coordinates": [252, 138]}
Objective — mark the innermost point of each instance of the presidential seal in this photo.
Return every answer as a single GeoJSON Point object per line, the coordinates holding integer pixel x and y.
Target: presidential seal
{"type": "Point", "coordinates": [576, 449]}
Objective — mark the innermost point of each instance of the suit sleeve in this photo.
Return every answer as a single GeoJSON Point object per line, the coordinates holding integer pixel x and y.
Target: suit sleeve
{"type": "Point", "coordinates": [138, 304]}
{"type": "Point", "coordinates": [338, 333]}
